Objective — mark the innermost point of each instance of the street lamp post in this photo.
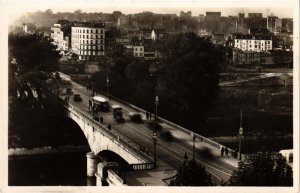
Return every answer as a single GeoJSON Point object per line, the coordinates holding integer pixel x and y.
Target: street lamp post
{"type": "Point", "coordinates": [194, 138]}
{"type": "Point", "coordinates": [156, 105]}
{"type": "Point", "coordinates": [154, 131]}
{"type": "Point", "coordinates": [154, 137]}
{"type": "Point", "coordinates": [107, 85]}
{"type": "Point", "coordinates": [93, 92]}
{"type": "Point", "coordinates": [240, 134]}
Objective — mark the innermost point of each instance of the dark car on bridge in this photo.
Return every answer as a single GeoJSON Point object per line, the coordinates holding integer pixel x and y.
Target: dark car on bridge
{"type": "Point", "coordinates": [151, 124]}
{"type": "Point", "coordinates": [166, 135]}
{"type": "Point", "coordinates": [135, 117]}
{"type": "Point", "coordinates": [77, 98]}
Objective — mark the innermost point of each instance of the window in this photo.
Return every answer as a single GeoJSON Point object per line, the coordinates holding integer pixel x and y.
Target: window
{"type": "Point", "coordinates": [141, 54]}
{"type": "Point", "coordinates": [83, 36]}
{"type": "Point", "coordinates": [83, 31]}
{"type": "Point", "coordinates": [96, 36]}
{"type": "Point", "coordinates": [94, 47]}
{"type": "Point", "coordinates": [101, 36]}
{"type": "Point", "coordinates": [87, 31]}
{"type": "Point", "coordinates": [92, 31]}
{"type": "Point", "coordinates": [135, 49]}
{"type": "Point", "coordinates": [83, 41]}
{"type": "Point", "coordinates": [141, 49]}
{"type": "Point", "coordinates": [87, 36]}
{"type": "Point", "coordinates": [96, 31]}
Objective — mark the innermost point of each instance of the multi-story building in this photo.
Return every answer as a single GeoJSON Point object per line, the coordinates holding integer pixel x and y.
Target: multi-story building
{"type": "Point", "coordinates": [60, 33]}
{"type": "Point", "coordinates": [256, 43]}
{"type": "Point", "coordinates": [88, 40]}
{"type": "Point", "coordinates": [274, 23]}
{"type": "Point", "coordinates": [138, 51]}
{"type": "Point", "coordinates": [212, 21]}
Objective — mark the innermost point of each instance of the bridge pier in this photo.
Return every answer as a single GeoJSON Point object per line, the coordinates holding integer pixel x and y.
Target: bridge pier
{"type": "Point", "coordinates": [92, 161]}
{"type": "Point", "coordinates": [102, 172]}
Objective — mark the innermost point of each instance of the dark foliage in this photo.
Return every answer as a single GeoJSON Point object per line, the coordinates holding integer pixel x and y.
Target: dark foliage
{"type": "Point", "coordinates": [262, 169]}
{"type": "Point", "coordinates": [192, 174]}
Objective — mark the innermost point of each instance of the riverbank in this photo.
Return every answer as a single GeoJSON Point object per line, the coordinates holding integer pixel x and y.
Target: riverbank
{"type": "Point", "coordinates": [47, 150]}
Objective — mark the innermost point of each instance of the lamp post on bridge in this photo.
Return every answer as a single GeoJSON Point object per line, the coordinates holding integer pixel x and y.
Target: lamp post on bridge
{"type": "Point", "coordinates": [154, 131]}
{"type": "Point", "coordinates": [194, 139]}
{"type": "Point", "coordinates": [107, 86]}
{"type": "Point", "coordinates": [240, 134]}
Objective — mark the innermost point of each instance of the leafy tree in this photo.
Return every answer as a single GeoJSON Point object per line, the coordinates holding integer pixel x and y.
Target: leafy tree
{"type": "Point", "coordinates": [32, 53]}
{"type": "Point", "coordinates": [262, 169]}
{"type": "Point", "coordinates": [192, 174]}
{"type": "Point", "coordinates": [188, 75]}
{"type": "Point", "coordinates": [32, 60]}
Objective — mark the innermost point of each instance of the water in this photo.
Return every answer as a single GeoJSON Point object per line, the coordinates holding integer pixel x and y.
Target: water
{"type": "Point", "coordinates": [65, 169]}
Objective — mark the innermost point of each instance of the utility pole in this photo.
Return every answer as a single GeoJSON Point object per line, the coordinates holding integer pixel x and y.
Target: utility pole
{"type": "Point", "coordinates": [240, 135]}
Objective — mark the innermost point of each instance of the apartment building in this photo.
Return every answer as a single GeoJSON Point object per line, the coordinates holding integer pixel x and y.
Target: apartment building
{"type": "Point", "coordinates": [88, 40]}
{"type": "Point", "coordinates": [256, 43]}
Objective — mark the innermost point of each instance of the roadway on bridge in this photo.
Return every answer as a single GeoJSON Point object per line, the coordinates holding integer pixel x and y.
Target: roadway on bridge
{"type": "Point", "coordinates": [169, 153]}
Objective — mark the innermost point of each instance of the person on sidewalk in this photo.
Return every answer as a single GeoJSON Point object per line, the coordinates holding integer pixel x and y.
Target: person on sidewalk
{"type": "Point", "coordinates": [222, 151]}
{"type": "Point", "coordinates": [226, 152]}
{"type": "Point", "coordinates": [147, 115]}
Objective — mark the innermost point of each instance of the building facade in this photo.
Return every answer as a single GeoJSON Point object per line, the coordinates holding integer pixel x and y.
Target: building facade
{"type": "Point", "coordinates": [88, 40]}
{"type": "Point", "coordinates": [138, 51]}
{"type": "Point", "coordinates": [256, 43]}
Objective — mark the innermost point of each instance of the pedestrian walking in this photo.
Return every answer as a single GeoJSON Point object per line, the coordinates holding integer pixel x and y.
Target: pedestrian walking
{"type": "Point", "coordinates": [222, 151]}
{"type": "Point", "coordinates": [90, 105]}
{"type": "Point", "coordinates": [147, 115]}
{"type": "Point", "coordinates": [109, 126]}
{"type": "Point", "coordinates": [226, 152]}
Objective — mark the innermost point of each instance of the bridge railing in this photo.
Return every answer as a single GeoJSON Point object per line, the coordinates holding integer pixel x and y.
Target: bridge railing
{"type": "Point", "coordinates": [174, 125]}
{"type": "Point", "coordinates": [120, 140]}
{"type": "Point", "coordinates": [143, 166]}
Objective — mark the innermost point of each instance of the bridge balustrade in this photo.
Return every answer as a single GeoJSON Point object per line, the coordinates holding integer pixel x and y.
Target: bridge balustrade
{"type": "Point", "coordinates": [108, 133]}
{"type": "Point", "coordinates": [180, 128]}
{"type": "Point", "coordinates": [143, 166]}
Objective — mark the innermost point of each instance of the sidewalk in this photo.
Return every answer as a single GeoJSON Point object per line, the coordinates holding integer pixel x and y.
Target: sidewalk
{"type": "Point", "coordinates": [201, 145]}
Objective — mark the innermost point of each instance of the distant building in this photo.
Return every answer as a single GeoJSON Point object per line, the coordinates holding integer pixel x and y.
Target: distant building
{"type": "Point", "coordinates": [146, 32]}
{"type": "Point", "coordinates": [287, 24]}
{"type": "Point", "coordinates": [157, 34]}
{"type": "Point", "coordinates": [241, 57]}
{"type": "Point", "coordinates": [61, 34]}
{"type": "Point", "coordinates": [255, 15]}
{"type": "Point", "coordinates": [273, 23]}
{"type": "Point", "coordinates": [185, 15]}
{"type": "Point", "coordinates": [256, 43]}
{"type": "Point", "coordinates": [88, 40]}
{"type": "Point", "coordinates": [218, 38]}
{"type": "Point", "coordinates": [212, 21]}
{"type": "Point", "coordinates": [138, 51]}
{"type": "Point", "coordinates": [123, 20]}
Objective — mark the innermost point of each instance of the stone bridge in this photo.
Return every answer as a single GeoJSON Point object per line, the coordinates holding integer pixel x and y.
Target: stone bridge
{"type": "Point", "coordinates": [101, 138]}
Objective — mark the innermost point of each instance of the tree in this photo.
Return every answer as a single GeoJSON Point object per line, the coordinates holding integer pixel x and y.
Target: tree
{"type": "Point", "coordinates": [262, 169]}
{"type": "Point", "coordinates": [188, 76]}
{"type": "Point", "coordinates": [192, 174]}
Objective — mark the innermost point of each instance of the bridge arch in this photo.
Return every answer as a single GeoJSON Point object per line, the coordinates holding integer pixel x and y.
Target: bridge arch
{"type": "Point", "coordinates": [100, 138]}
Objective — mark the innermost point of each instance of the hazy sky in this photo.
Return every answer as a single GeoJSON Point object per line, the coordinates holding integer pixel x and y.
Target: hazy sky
{"type": "Point", "coordinates": [281, 8]}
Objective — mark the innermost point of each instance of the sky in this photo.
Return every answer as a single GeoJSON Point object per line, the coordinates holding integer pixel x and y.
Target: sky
{"type": "Point", "coordinates": [281, 8]}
